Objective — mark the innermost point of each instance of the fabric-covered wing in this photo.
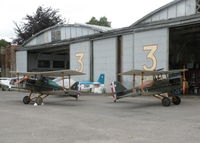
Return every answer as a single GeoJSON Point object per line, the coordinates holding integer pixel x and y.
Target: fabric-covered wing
{"type": "Point", "coordinates": [151, 73]}
{"type": "Point", "coordinates": [51, 73]}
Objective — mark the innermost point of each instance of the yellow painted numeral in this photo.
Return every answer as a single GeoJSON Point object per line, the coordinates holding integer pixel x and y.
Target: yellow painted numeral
{"type": "Point", "coordinates": [151, 56]}
{"type": "Point", "coordinates": [80, 61]}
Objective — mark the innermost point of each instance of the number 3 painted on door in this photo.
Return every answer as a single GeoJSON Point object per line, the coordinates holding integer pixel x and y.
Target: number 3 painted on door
{"type": "Point", "coordinates": [80, 61]}
{"type": "Point", "coordinates": [151, 56]}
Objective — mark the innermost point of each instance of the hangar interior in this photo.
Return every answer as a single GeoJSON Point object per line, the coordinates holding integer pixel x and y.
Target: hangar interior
{"type": "Point", "coordinates": [49, 59]}
{"type": "Point", "coordinates": [184, 44]}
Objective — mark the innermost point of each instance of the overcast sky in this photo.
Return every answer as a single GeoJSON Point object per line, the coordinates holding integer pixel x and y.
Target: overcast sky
{"type": "Point", "coordinates": [121, 13]}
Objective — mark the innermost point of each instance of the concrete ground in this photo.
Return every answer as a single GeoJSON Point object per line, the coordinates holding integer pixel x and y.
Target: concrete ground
{"type": "Point", "coordinates": [96, 119]}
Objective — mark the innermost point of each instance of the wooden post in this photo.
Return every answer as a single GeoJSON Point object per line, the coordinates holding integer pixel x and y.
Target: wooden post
{"type": "Point", "coordinates": [133, 83]}
{"type": "Point", "coordinates": [18, 81]}
{"type": "Point", "coordinates": [69, 82]}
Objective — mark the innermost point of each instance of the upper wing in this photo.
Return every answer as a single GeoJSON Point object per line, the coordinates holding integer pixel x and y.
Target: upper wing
{"type": "Point", "coordinates": [50, 73]}
{"type": "Point", "coordinates": [150, 73]}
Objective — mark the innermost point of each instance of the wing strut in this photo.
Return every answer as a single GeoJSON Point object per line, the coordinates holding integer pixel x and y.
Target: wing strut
{"type": "Point", "coordinates": [142, 80]}
{"type": "Point", "coordinates": [18, 80]}
{"type": "Point", "coordinates": [133, 83]}
{"type": "Point", "coordinates": [63, 80]}
{"type": "Point", "coordinates": [69, 81]}
{"type": "Point", "coordinates": [184, 82]}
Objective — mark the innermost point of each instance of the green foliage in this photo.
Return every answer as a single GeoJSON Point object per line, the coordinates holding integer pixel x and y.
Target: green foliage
{"type": "Point", "coordinates": [42, 19]}
{"type": "Point", "coordinates": [4, 43]}
{"type": "Point", "coordinates": [103, 21]}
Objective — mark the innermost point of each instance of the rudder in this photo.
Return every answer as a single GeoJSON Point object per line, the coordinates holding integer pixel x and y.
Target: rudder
{"type": "Point", "coordinates": [101, 78]}
{"type": "Point", "coordinates": [117, 89]}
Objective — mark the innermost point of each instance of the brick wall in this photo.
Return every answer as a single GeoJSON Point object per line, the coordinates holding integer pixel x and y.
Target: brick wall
{"type": "Point", "coordinates": [7, 60]}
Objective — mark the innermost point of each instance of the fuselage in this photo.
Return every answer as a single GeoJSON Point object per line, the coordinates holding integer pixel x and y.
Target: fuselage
{"type": "Point", "coordinates": [42, 85]}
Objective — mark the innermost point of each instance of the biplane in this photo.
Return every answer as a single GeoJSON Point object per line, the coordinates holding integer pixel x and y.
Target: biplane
{"type": "Point", "coordinates": [43, 85]}
{"type": "Point", "coordinates": [163, 85]}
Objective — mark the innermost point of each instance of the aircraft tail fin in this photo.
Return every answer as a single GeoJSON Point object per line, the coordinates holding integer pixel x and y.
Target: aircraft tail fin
{"type": "Point", "coordinates": [117, 89]}
{"type": "Point", "coordinates": [101, 78]}
{"type": "Point", "coordinates": [75, 86]}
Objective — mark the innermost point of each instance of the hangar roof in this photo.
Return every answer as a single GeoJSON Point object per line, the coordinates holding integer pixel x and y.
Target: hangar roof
{"type": "Point", "coordinates": [172, 10]}
{"type": "Point", "coordinates": [177, 12]}
{"type": "Point", "coordinates": [64, 32]}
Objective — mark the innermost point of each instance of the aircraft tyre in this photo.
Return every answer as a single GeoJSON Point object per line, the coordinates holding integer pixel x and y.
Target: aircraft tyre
{"type": "Point", "coordinates": [77, 96]}
{"type": "Point", "coordinates": [176, 100]}
{"type": "Point", "coordinates": [166, 101]}
{"type": "Point", "coordinates": [39, 100]}
{"type": "Point", "coordinates": [26, 100]}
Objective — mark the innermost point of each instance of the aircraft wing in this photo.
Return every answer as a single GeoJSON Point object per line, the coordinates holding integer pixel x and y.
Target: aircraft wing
{"type": "Point", "coordinates": [51, 73]}
{"type": "Point", "coordinates": [150, 73]}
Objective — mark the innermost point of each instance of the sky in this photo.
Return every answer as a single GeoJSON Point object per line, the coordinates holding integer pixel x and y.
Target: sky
{"type": "Point", "coordinates": [121, 13]}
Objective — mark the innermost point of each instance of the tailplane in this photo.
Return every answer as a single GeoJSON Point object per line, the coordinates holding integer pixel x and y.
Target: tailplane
{"type": "Point", "coordinates": [101, 78]}
{"type": "Point", "coordinates": [117, 89]}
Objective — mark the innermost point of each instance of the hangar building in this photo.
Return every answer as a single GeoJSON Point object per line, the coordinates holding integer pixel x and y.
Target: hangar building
{"type": "Point", "coordinates": [165, 38]}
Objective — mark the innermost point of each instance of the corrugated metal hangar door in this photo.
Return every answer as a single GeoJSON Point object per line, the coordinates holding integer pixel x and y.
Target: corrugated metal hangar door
{"type": "Point", "coordinates": [127, 59]}
{"type": "Point", "coordinates": [151, 49]}
{"type": "Point", "coordinates": [105, 60]}
{"type": "Point", "coordinates": [80, 59]}
{"type": "Point", "coordinates": [21, 59]}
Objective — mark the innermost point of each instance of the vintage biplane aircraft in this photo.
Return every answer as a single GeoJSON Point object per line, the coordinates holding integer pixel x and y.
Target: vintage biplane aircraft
{"type": "Point", "coordinates": [162, 86]}
{"type": "Point", "coordinates": [42, 84]}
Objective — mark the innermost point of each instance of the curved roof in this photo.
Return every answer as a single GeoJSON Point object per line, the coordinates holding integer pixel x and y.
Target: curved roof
{"type": "Point", "coordinates": [167, 6]}
{"type": "Point", "coordinates": [83, 30]}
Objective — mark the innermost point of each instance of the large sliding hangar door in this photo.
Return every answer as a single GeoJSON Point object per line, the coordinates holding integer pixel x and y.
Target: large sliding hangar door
{"type": "Point", "coordinates": [80, 59]}
{"type": "Point", "coordinates": [105, 60]}
{"type": "Point", "coordinates": [21, 61]}
{"type": "Point", "coordinates": [151, 49]}
{"type": "Point", "coordinates": [127, 62]}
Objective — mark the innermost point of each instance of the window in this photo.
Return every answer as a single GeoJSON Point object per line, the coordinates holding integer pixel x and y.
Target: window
{"type": "Point", "coordinates": [58, 64]}
{"type": "Point", "coordinates": [198, 6]}
{"type": "Point", "coordinates": [55, 35]}
{"type": "Point", "coordinates": [43, 64]}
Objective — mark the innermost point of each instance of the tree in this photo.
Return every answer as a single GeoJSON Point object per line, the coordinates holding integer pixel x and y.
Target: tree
{"type": "Point", "coordinates": [42, 19]}
{"type": "Point", "coordinates": [4, 43]}
{"type": "Point", "coordinates": [103, 21]}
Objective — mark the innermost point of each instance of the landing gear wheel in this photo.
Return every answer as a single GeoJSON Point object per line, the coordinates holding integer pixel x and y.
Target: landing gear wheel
{"type": "Point", "coordinates": [166, 101]}
{"type": "Point", "coordinates": [77, 96]}
{"type": "Point", "coordinates": [39, 100]}
{"type": "Point", "coordinates": [176, 100]}
{"type": "Point", "coordinates": [26, 100]}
